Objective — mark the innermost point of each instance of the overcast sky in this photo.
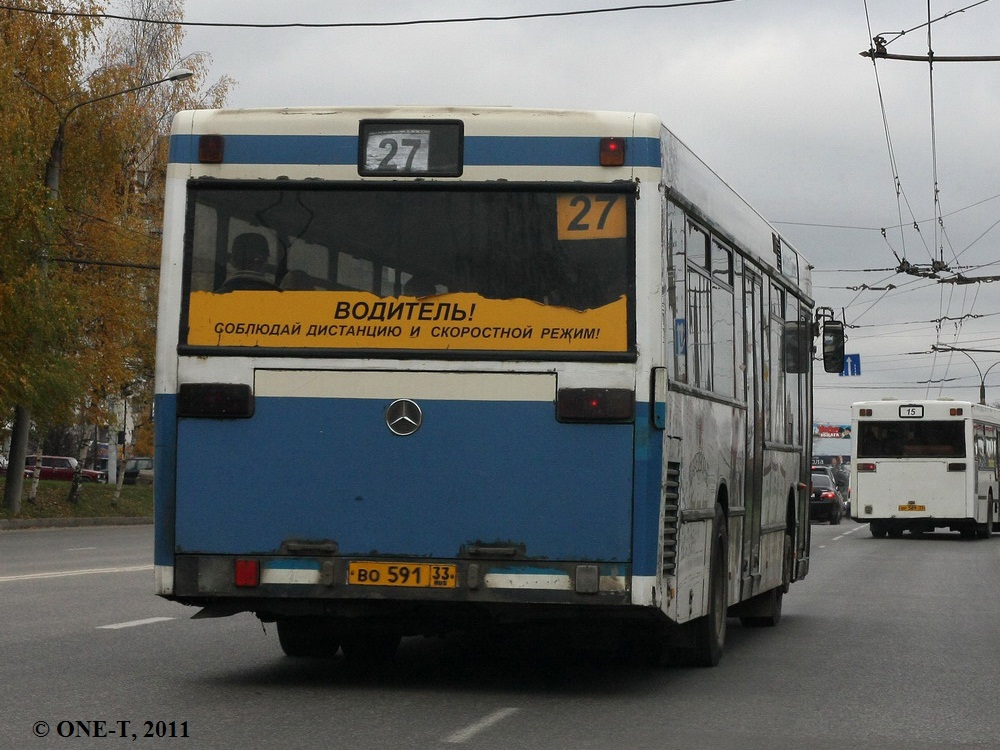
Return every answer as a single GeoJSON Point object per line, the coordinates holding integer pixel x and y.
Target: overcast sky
{"type": "Point", "coordinates": [772, 94]}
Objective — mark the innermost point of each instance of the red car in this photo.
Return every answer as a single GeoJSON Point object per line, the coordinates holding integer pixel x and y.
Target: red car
{"type": "Point", "coordinates": [61, 467]}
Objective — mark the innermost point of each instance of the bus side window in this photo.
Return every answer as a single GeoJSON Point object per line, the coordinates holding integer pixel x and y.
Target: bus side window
{"type": "Point", "coordinates": [797, 346]}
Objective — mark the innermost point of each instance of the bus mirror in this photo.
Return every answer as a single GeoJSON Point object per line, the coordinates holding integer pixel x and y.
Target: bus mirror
{"type": "Point", "coordinates": [833, 346]}
{"type": "Point", "coordinates": [797, 346]}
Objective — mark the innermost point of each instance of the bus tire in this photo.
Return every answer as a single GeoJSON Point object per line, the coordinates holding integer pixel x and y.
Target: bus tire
{"type": "Point", "coordinates": [710, 630]}
{"type": "Point", "coordinates": [769, 602]}
{"type": "Point", "coordinates": [878, 529]}
{"type": "Point", "coordinates": [308, 637]}
{"type": "Point", "coordinates": [767, 606]}
{"type": "Point", "coordinates": [986, 529]}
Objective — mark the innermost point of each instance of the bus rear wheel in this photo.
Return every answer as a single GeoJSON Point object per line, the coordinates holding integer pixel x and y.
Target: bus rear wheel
{"type": "Point", "coordinates": [766, 607]}
{"type": "Point", "coordinates": [985, 530]}
{"type": "Point", "coordinates": [710, 630]}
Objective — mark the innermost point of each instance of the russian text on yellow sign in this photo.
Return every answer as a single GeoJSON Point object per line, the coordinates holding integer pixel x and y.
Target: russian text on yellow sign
{"type": "Point", "coordinates": [359, 320]}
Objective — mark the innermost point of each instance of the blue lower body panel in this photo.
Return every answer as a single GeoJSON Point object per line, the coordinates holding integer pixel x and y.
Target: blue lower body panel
{"type": "Point", "coordinates": [476, 473]}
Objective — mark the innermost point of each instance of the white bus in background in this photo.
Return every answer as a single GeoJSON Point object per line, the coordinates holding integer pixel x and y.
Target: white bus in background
{"type": "Point", "coordinates": [921, 465]}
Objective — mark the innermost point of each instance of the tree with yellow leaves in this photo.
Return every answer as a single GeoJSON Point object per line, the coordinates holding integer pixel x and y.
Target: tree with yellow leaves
{"type": "Point", "coordinates": [78, 262]}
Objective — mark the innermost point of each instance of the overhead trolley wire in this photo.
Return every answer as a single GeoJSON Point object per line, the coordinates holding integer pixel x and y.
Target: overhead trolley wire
{"type": "Point", "coordinates": [882, 42]}
{"type": "Point", "coordinates": [367, 24]}
{"type": "Point", "coordinates": [893, 166]}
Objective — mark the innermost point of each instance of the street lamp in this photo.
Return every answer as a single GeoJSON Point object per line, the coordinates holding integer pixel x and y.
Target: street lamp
{"type": "Point", "coordinates": [982, 375]}
{"type": "Point", "coordinates": [982, 382]}
{"type": "Point", "coordinates": [54, 167]}
{"type": "Point", "coordinates": [22, 415]}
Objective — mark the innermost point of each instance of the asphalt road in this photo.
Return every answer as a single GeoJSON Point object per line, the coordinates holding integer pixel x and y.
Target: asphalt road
{"type": "Point", "coordinates": [887, 644]}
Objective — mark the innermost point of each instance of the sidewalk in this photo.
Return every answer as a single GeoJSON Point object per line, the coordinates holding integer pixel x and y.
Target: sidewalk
{"type": "Point", "coordinates": [54, 523]}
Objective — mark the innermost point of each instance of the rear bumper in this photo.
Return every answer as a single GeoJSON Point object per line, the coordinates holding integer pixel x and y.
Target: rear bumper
{"type": "Point", "coordinates": [292, 586]}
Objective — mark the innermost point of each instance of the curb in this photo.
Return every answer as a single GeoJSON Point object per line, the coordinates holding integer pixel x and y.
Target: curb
{"type": "Point", "coordinates": [55, 523]}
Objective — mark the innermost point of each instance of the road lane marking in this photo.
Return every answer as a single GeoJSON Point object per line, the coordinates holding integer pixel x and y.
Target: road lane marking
{"type": "Point", "coordinates": [464, 735]}
{"type": "Point", "coordinates": [134, 623]}
{"type": "Point", "coordinates": [64, 573]}
{"type": "Point", "coordinates": [849, 531]}
{"type": "Point", "coordinates": [80, 549]}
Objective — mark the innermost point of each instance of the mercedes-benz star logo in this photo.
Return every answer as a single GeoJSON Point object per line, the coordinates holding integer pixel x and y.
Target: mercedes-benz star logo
{"type": "Point", "coordinates": [403, 417]}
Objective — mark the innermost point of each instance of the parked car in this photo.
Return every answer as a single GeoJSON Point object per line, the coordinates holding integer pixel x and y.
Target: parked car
{"type": "Point", "coordinates": [61, 467]}
{"type": "Point", "coordinates": [139, 470]}
{"type": "Point", "coordinates": [826, 502]}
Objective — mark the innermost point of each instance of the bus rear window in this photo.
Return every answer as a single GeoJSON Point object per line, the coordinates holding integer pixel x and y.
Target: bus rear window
{"type": "Point", "coordinates": [932, 439]}
{"type": "Point", "coordinates": [349, 267]}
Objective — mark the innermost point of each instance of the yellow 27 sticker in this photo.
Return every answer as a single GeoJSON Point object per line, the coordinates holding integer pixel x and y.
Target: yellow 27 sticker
{"type": "Point", "coordinates": [591, 217]}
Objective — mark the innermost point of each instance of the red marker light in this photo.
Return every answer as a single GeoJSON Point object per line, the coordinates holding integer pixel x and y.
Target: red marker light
{"type": "Point", "coordinates": [612, 152]}
{"type": "Point", "coordinates": [211, 149]}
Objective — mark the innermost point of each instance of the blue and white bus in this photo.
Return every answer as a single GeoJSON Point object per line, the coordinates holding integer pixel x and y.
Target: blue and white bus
{"type": "Point", "coordinates": [423, 369]}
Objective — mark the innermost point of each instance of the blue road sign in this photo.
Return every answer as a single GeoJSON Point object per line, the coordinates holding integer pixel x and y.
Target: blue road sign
{"type": "Point", "coordinates": [852, 365]}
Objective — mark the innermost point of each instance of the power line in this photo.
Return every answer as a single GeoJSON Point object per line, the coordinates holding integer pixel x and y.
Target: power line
{"type": "Point", "coordinates": [888, 227]}
{"type": "Point", "coordinates": [943, 319]}
{"type": "Point", "coordinates": [880, 43]}
{"type": "Point", "coordinates": [365, 24]}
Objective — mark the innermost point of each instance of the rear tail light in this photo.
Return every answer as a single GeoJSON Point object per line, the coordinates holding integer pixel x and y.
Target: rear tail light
{"type": "Point", "coordinates": [866, 467]}
{"type": "Point", "coordinates": [595, 405]}
{"type": "Point", "coordinates": [232, 400]}
{"type": "Point", "coordinates": [956, 466]}
{"type": "Point", "coordinates": [246, 573]}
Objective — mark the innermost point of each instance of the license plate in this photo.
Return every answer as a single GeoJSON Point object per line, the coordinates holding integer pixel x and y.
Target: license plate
{"type": "Point", "coordinates": [919, 508]}
{"type": "Point", "coordinates": [410, 575]}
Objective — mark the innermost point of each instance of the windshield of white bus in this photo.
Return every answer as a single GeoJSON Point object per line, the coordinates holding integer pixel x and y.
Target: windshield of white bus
{"type": "Point", "coordinates": [498, 267]}
{"type": "Point", "coordinates": [933, 439]}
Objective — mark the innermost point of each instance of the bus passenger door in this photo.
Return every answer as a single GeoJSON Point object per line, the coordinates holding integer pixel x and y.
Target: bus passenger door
{"type": "Point", "coordinates": [755, 339]}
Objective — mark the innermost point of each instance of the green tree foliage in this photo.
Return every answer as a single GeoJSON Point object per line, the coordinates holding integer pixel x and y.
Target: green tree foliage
{"type": "Point", "coordinates": [78, 271]}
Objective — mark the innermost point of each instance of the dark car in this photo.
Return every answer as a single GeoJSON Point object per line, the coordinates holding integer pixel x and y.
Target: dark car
{"type": "Point", "coordinates": [139, 470]}
{"type": "Point", "coordinates": [61, 467]}
{"type": "Point", "coordinates": [825, 503]}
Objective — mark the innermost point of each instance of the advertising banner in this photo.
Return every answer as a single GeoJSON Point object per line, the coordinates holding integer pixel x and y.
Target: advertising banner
{"type": "Point", "coordinates": [360, 320]}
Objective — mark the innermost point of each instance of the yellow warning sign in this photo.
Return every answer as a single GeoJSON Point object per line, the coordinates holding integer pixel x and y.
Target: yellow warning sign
{"type": "Point", "coordinates": [360, 320]}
